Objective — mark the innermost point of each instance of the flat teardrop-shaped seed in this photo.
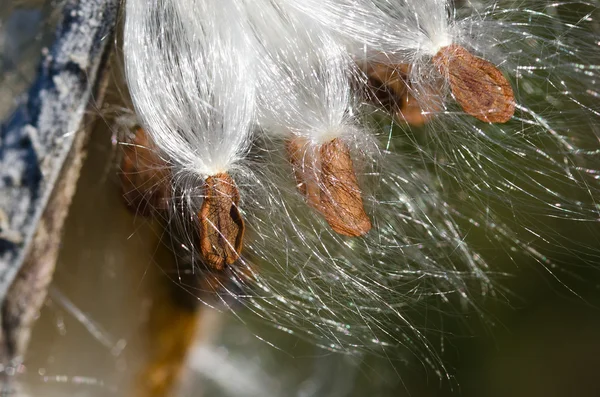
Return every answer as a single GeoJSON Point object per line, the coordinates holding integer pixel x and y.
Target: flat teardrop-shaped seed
{"type": "Point", "coordinates": [221, 223]}
{"type": "Point", "coordinates": [325, 175]}
{"type": "Point", "coordinates": [478, 86]}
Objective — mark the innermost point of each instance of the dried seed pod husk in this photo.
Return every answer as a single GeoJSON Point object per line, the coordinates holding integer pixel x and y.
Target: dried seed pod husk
{"type": "Point", "coordinates": [478, 86]}
{"type": "Point", "coordinates": [325, 175]}
{"type": "Point", "coordinates": [144, 175]}
{"type": "Point", "coordinates": [221, 224]}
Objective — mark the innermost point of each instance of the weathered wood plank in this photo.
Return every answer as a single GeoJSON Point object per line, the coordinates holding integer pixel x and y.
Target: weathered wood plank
{"type": "Point", "coordinates": [41, 150]}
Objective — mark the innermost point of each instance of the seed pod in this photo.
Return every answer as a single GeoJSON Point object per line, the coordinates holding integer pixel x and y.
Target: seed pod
{"type": "Point", "coordinates": [478, 86]}
{"type": "Point", "coordinates": [325, 175]}
{"type": "Point", "coordinates": [221, 224]}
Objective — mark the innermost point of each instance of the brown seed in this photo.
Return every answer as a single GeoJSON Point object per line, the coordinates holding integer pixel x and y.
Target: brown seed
{"type": "Point", "coordinates": [221, 224]}
{"type": "Point", "coordinates": [392, 89]}
{"type": "Point", "coordinates": [393, 77]}
{"type": "Point", "coordinates": [144, 175]}
{"type": "Point", "coordinates": [411, 112]}
{"type": "Point", "coordinates": [478, 86]}
{"type": "Point", "coordinates": [325, 175]}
